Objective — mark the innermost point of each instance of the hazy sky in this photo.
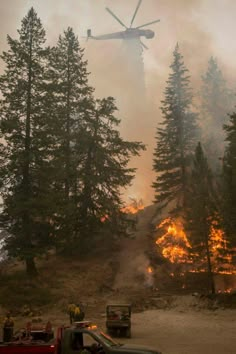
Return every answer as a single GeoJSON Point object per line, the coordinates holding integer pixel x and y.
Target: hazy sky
{"type": "Point", "coordinates": [203, 28]}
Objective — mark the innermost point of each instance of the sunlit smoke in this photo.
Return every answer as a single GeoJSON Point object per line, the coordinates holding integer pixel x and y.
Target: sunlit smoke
{"type": "Point", "coordinates": [203, 28]}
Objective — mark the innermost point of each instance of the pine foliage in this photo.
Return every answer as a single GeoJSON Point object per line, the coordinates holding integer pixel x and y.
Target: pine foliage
{"type": "Point", "coordinates": [201, 211]}
{"type": "Point", "coordinates": [216, 102]}
{"type": "Point", "coordinates": [25, 167]}
{"type": "Point", "coordinates": [176, 136]}
{"type": "Point", "coordinates": [229, 179]}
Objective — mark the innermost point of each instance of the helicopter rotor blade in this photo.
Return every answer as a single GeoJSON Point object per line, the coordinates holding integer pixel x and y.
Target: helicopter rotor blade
{"type": "Point", "coordinates": [143, 45]}
{"type": "Point", "coordinates": [135, 12]}
{"type": "Point", "coordinates": [117, 19]}
{"type": "Point", "coordinates": [149, 23]}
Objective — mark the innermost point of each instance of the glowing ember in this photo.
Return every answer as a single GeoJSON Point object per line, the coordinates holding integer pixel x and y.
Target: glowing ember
{"type": "Point", "coordinates": [150, 270]}
{"type": "Point", "coordinates": [104, 218]}
{"type": "Point", "coordinates": [227, 291]}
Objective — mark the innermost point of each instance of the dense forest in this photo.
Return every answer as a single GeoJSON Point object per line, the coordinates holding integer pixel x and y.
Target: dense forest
{"type": "Point", "coordinates": [195, 163]}
{"type": "Point", "coordinates": [63, 162]}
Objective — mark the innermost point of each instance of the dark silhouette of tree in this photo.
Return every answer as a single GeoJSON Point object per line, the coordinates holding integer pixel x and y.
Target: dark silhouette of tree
{"type": "Point", "coordinates": [90, 158]}
{"type": "Point", "coordinates": [201, 211]}
{"type": "Point", "coordinates": [63, 162]}
{"type": "Point", "coordinates": [104, 169]}
{"type": "Point", "coordinates": [25, 167]}
{"type": "Point", "coordinates": [175, 138]}
{"type": "Point", "coordinates": [69, 95]}
{"type": "Point", "coordinates": [229, 180]}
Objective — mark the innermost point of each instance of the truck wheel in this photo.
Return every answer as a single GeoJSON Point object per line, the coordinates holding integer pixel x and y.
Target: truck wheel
{"type": "Point", "coordinates": [128, 333]}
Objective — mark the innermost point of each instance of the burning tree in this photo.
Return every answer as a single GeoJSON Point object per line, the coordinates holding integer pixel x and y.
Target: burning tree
{"type": "Point", "coordinates": [174, 243]}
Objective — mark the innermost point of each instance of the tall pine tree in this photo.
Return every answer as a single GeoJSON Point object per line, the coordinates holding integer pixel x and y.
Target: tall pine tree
{"type": "Point", "coordinates": [201, 211]}
{"type": "Point", "coordinates": [25, 153]}
{"type": "Point", "coordinates": [216, 102]}
{"type": "Point", "coordinates": [90, 158]}
{"type": "Point", "coordinates": [229, 180]}
{"type": "Point", "coordinates": [176, 138]}
{"type": "Point", "coordinates": [69, 95]}
{"type": "Point", "coordinates": [104, 169]}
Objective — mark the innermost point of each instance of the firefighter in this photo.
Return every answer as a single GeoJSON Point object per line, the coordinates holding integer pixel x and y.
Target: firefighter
{"type": "Point", "coordinates": [75, 312]}
{"type": "Point", "coordinates": [49, 331]}
{"type": "Point", "coordinates": [8, 327]}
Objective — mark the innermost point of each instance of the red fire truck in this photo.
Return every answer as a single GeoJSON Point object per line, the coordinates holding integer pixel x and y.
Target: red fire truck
{"type": "Point", "coordinates": [81, 337]}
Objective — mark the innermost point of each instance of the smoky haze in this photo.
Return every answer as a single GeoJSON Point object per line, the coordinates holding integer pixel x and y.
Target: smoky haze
{"type": "Point", "coordinates": [203, 28]}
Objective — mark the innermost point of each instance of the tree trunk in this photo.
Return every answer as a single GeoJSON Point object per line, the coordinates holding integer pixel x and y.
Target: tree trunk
{"type": "Point", "coordinates": [26, 221]}
{"type": "Point", "coordinates": [209, 266]}
{"type": "Point", "coordinates": [68, 132]}
{"type": "Point", "coordinates": [31, 269]}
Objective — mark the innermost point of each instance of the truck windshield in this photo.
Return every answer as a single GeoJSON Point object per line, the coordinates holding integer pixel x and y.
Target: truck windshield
{"type": "Point", "coordinates": [106, 339]}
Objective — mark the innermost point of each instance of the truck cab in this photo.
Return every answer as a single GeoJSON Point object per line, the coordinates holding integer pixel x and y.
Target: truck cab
{"type": "Point", "coordinates": [84, 337]}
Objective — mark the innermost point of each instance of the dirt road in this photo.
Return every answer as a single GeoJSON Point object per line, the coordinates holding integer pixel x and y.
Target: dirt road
{"type": "Point", "coordinates": [183, 329]}
{"type": "Point", "coordinates": [190, 332]}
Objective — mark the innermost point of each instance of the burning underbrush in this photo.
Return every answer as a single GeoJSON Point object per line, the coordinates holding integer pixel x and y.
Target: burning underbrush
{"type": "Point", "coordinates": [182, 269]}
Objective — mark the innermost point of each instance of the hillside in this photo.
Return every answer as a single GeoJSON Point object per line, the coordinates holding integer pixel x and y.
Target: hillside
{"type": "Point", "coordinates": [117, 274]}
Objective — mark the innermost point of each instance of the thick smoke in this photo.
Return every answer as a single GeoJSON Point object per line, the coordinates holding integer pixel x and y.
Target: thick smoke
{"type": "Point", "coordinates": [203, 28]}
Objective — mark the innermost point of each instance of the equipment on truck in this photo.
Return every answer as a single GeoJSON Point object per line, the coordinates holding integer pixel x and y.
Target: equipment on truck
{"type": "Point", "coordinates": [118, 319]}
{"type": "Point", "coordinates": [31, 339]}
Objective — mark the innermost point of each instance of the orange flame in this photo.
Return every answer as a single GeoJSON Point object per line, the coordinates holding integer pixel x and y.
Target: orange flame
{"type": "Point", "coordinates": [176, 247]}
{"type": "Point", "coordinates": [218, 243]}
{"type": "Point", "coordinates": [134, 207]}
{"type": "Point", "coordinates": [174, 243]}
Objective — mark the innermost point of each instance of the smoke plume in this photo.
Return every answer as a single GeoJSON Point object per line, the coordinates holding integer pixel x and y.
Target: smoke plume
{"type": "Point", "coordinates": [202, 29]}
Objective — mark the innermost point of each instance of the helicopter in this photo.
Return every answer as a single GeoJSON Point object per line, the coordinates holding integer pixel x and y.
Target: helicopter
{"type": "Point", "coordinates": [129, 32]}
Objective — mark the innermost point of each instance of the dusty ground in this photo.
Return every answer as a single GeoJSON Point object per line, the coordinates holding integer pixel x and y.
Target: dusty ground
{"type": "Point", "coordinates": [187, 326]}
{"type": "Point", "coordinates": [173, 324]}
{"type": "Point", "coordinates": [178, 332]}
{"type": "Point", "coordinates": [184, 328]}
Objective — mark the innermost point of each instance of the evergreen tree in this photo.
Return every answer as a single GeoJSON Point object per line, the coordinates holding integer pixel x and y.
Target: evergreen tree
{"type": "Point", "coordinates": [104, 169]}
{"type": "Point", "coordinates": [176, 138]}
{"type": "Point", "coordinates": [25, 153]}
{"type": "Point", "coordinates": [201, 211]}
{"type": "Point", "coordinates": [229, 180]}
{"type": "Point", "coordinates": [216, 103]}
{"type": "Point", "coordinates": [90, 158]}
{"type": "Point", "coordinates": [70, 93]}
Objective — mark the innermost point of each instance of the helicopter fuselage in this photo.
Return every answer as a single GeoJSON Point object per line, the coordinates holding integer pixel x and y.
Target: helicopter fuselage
{"type": "Point", "coordinates": [130, 33]}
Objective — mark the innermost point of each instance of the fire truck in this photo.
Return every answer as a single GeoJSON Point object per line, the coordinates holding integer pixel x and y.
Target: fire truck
{"type": "Point", "coordinates": [81, 337]}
